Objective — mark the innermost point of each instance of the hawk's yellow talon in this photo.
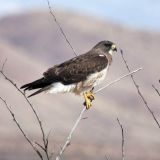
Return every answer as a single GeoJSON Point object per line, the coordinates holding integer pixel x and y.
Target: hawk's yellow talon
{"type": "Point", "coordinates": [88, 104]}
{"type": "Point", "coordinates": [88, 96]}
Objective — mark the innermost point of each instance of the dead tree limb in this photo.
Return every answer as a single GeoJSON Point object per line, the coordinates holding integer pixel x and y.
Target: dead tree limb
{"type": "Point", "coordinates": [139, 92]}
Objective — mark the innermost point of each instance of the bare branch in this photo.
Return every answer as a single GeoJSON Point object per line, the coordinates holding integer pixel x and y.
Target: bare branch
{"type": "Point", "coordinates": [4, 64]}
{"type": "Point", "coordinates": [68, 140]}
{"type": "Point", "coordinates": [39, 145]}
{"type": "Point", "coordinates": [44, 148]}
{"type": "Point", "coordinates": [29, 103]}
{"type": "Point", "coordinates": [20, 128]}
{"type": "Point", "coordinates": [123, 154]}
{"type": "Point", "coordinates": [47, 139]}
{"type": "Point", "coordinates": [118, 79]}
{"type": "Point", "coordinates": [139, 92]}
{"type": "Point", "coordinates": [156, 89]}
{"type": "Point", "coordinates": [59, 26]}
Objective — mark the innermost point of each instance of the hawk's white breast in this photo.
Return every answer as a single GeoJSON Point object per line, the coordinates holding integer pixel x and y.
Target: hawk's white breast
{"type": "Point", "coordinates": [96, 78]}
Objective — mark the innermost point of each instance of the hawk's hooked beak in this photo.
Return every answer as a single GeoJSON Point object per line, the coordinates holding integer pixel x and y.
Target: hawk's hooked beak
{"type": "Point", "coordinates": [114, 48]}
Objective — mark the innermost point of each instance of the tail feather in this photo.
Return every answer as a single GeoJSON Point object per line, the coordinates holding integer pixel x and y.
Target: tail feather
{"type": "Point", "coordinates": [39, 91]}
{"type": "Point", "coordinates": [42, 84]}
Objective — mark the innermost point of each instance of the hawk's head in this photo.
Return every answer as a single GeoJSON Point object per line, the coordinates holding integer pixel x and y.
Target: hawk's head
{"type": "Point", "coordinates": [106, 47]}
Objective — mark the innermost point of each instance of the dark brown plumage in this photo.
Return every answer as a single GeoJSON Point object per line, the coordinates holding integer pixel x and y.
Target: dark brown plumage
{"type": "Point", "coordinates": [75, 70]}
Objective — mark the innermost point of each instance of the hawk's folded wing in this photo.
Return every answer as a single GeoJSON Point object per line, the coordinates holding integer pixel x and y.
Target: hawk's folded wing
{"type": "Point", "coordinates": [77, 69]}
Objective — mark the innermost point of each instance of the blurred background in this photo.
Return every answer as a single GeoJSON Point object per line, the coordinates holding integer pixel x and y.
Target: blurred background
{"type": "Point", "coordinates": [142, 14]}
{"type": "Point", "coordinates": [31, 42]}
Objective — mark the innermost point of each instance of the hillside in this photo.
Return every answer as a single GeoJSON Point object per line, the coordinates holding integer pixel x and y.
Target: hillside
{"type": "Point", "coordinates": [32, 43]}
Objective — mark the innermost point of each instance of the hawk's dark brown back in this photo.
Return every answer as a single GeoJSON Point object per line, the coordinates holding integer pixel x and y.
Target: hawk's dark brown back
{"type": "Point", "coordinates": [77, 69]}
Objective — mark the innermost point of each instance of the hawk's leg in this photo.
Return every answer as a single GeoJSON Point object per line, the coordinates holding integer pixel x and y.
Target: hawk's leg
{"type": "Point", "coordinates": [89, 97]}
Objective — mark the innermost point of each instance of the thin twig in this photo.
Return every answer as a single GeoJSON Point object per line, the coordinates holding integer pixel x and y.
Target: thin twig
{"type": "Point", "coordinates": [60, 28]}
{"type": "Point", "coordinates": [46, 146]}
{"type": "Point", "coordinates": [118, 79]}
{"type": "Point", "coordinates": [139, 92]}
{"type": "Point", "coordinates": [156, 89]}
{"type": "Point", "coordinates": [39, 145]}
{"type": "Point", "coordinates": [47, 139]}
{"type": "Point", "coordinates": [20, 128]}
{"type": "Point", "coordinates": [31, 106]}
{"type": "Point", "coordinates": [67, 143]}
{"type": "Point", "coordinates": [123, 153]}
{"type": "Point", "coordinates": [4, 64]}
{"type": "Point", "coordinates": [45, 149]}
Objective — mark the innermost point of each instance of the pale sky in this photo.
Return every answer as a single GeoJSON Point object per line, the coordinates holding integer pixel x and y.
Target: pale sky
{"type": "Point", "coordinates": [143, 14]}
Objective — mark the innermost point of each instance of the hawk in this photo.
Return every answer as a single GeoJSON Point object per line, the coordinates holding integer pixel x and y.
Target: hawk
{"type": "Point", "coordinates": [78, 75]}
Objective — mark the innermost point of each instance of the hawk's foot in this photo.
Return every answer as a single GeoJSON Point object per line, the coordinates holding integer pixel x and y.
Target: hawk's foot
{"type": "Point", "coordinates": [89, 97]}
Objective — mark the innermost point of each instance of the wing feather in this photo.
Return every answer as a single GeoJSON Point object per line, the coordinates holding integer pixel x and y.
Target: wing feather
{"type": "Point", "coordinates": [77, 69]}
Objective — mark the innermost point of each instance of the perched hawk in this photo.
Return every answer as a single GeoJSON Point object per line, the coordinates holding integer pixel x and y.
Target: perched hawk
{"type": "Point", "coordinates": [78, 75]}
